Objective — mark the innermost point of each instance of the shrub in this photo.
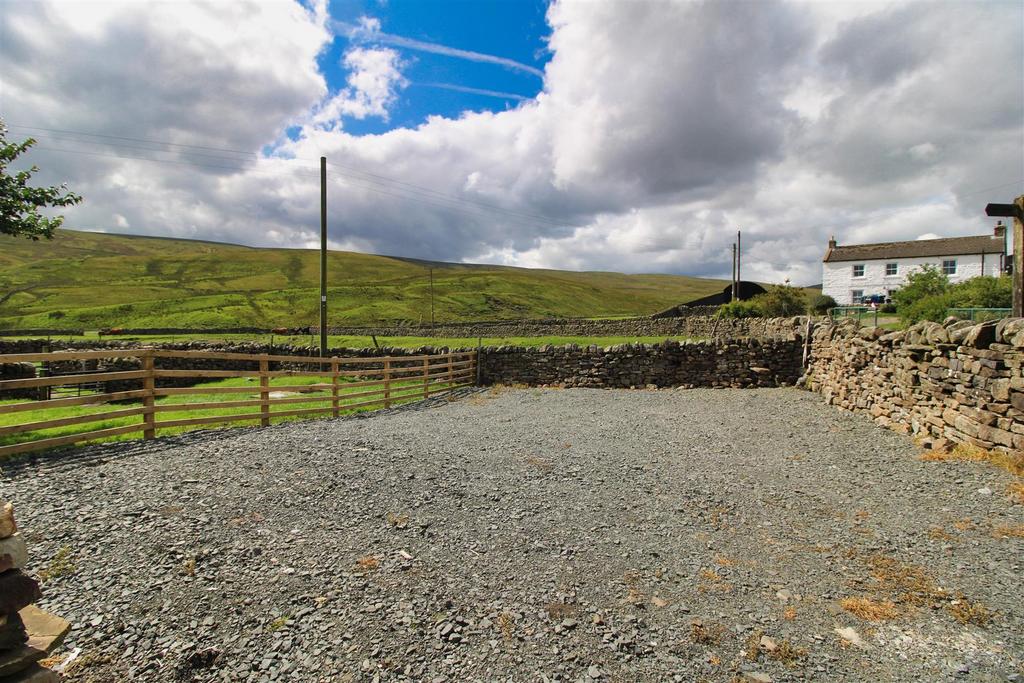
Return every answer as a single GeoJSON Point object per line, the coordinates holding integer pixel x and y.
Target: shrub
{"type": "Point", "coordinates": [984, 292]}
{"type": "Point", "coordinates": [932, 307]}
{"type": "Point", "coordinates": [928, 295]}
{"type": "Point", "coordinates": [781, 301]}
{"type": "Point", "coordinates": [821, 303]}
{"type": "Point", "coordinates": [926, 282]}
{"type": "Point", "coordinates": [739, 309]}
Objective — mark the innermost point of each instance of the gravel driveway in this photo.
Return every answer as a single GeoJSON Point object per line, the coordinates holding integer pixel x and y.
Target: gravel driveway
{"type": "Point", "coordinates": [533, 535]}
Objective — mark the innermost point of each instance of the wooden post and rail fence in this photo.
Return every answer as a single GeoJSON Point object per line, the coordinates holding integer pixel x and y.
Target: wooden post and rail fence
{"type": "Point", "coordinates": [381, 382]}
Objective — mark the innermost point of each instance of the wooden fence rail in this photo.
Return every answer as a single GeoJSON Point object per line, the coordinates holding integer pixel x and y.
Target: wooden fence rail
{"type": "Point", "coordinates": [382, 382]}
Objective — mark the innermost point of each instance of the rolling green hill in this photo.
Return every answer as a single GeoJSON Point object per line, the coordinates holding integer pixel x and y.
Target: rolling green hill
{"type": "Point", "coordinates": [94, 280]}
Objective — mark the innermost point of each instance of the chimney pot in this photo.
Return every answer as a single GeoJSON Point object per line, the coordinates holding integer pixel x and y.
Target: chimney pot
{"type": "Point", "coordinates": [1000, 230]}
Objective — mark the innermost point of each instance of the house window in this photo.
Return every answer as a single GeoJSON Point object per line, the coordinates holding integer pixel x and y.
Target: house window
{"type": "Point", "coordinates": [949, 267]}
{"type": "Point", "coordinates": [858, 270]}
{"type": "Point", "coordinates": [857, 295]}
{"type": "Point", "coordinates": [891, 268]}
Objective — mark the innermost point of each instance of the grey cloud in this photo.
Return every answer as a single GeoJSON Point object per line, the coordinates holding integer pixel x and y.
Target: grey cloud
{"type": "Point", "coordinates": [879, 48]}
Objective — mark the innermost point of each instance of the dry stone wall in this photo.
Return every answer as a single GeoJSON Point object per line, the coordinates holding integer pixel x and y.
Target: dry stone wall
{"type": "Point", "coordinates": [958, 382]}
{"type": "Point", "coordinates": [697, 323]}
{"type": "Point", "coordinates": [693, 326]}
{"type": "Point", "coordinates": [740, 363]}
{"type": "Point", "coordinates": [10, 371]}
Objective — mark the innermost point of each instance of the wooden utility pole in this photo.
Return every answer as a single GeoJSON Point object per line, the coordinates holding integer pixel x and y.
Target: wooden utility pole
{"type": "Point", "coordinates": [1016, 212]}
{"type": "Point", "coordinates": [323, 257]}
{"type": "Point", "coordinates": [733, 271]}
{"type": "Point", "coordinates": [739, 260]}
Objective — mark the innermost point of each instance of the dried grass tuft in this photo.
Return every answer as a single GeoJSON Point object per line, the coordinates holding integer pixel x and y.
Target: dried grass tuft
{"type": "Point", "coordinates": [1011, 461]}
{"type": "Point", "coordinates": [787, 653]}
{"type": "Point", "coordinates": [1009, 531]}
{"type": "Point", "coordinates": [937, 533]}
{"type": "Point", "coordinates": [1016, 491]}
{"type": "Point", "coordinates": [706, 634]}
{"type": "Point", "coordinates": [870, 610]}
{"type": "Point", "coordinates": [367, 563]}
{"type": "Point", "coordinates": [967, 612]}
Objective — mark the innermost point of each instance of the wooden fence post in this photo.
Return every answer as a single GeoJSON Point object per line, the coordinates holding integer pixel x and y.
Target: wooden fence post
{"type": "Point", "coordinates": [387, 382]}
{"type": "Point", "coordinates": [451, 371]}
{"type": "Point", "coordinates": [479, 367]}
{"type": "Point", "coordinates": [264, 392]}
{"type": "Point", "coordinates": [148, 401]}
{"type": "Point", "coordinates": [334, 387]}
{"type": "Point", "coordinates": [426, 377]}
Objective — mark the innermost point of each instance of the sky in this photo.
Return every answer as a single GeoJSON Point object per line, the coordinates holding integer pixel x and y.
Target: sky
{"type": "Point", "coordinates": [586, 135]}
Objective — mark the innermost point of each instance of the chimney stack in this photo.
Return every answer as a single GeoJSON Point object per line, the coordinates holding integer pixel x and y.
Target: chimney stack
{"type": "Point", "coordinates": [1000, 230]}
{"type": "Point", "coordinates": [832, 242]}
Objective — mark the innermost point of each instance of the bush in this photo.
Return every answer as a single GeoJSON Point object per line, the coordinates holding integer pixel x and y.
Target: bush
{"type": "Point", "coordinates": [927, 282]}
{"type": "Point", "coordinates": [781, 301]}
{"type": "Point", "coordinates": [821, 303]}
{"type": "Point", "coordinates": [928, 295]}
{"type": "Point", "coordinates": [739, 309]}
{"type": "Point", "coordinates": [927, 308]}
{"type": "Point", "coordinates": [984, 292]}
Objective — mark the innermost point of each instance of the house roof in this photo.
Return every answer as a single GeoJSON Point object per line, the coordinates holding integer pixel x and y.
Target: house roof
{"type": "Point", "coordinates": [947, 246]}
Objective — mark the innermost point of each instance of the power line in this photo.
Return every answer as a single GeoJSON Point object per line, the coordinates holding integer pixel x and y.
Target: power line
{"type": "Point", "coordinates": [167, 161]}
{"type": "Point", "coordinates": [120, 137]}
{"type": "Point", "coordinates": [61, 139]}
{"type": "Point", "coordinates": [435, 202]}
{"type": "Point", "coordinates": [369, 176]}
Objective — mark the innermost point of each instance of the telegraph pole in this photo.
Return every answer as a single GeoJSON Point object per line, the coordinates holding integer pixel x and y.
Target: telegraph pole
{"type": "Point", "coordinates": [323, 257]}
{"type": "Point", "coordinates": [1016, 212]}
{"type": "Point", "coordinates": [734, 271]}
{"type": "Point", "coordinates": [739, 259]}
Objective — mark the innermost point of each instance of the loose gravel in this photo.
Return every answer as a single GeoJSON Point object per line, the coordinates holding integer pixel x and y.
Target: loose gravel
{"type": "Point", "coordinates": [531, 535]}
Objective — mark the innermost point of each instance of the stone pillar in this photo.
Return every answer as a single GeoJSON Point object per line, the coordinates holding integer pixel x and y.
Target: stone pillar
{"type": "Point", "coordinates": [27, 633]}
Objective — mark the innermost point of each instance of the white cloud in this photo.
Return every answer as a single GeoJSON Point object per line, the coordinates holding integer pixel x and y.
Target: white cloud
{"type": "Point", "coordinates": [660, 131]}
{"type": "Point", "coordinates": [374, 80]}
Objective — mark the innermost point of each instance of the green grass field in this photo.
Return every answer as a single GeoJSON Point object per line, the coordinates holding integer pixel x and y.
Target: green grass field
{"type": "Point", "coordinates": [95, 280]}
{"type": "Point", "coordinates": [31, 416]}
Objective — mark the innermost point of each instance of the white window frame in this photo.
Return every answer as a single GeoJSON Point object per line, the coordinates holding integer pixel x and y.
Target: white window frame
{"type": "Point", "coordinates": [856, 296]}
{"type": "Point", "coordinates": [943, 266]}
{"type": "Point", "coordinates": [863, 270]}
{"type": "Point", "coordinates": [895, 269]}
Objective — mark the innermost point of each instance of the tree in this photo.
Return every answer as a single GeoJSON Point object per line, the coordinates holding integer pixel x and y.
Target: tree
{"type": "Point", "coordinates": [928, 281]}
{"type": "Point", "coordinates": [781, 301]}
{"type": "Point", "coordinates": [19, 203]}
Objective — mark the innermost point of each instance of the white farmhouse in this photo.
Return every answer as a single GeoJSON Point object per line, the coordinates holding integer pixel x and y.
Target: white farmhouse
{"type": "Point", "coordinates": [854, 272]}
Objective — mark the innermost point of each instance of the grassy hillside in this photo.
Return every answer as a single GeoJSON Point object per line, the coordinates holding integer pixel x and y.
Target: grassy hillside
{"type": "Point", "coordinates": [95, 280]}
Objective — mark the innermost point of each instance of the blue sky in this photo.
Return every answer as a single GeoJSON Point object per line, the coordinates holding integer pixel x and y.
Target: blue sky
{"type": "Point", "coordinates": [511, 29]}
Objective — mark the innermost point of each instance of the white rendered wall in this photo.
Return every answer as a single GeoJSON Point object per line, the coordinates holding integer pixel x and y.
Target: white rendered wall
{"type": "Point", "coordinates": [838, 282]}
